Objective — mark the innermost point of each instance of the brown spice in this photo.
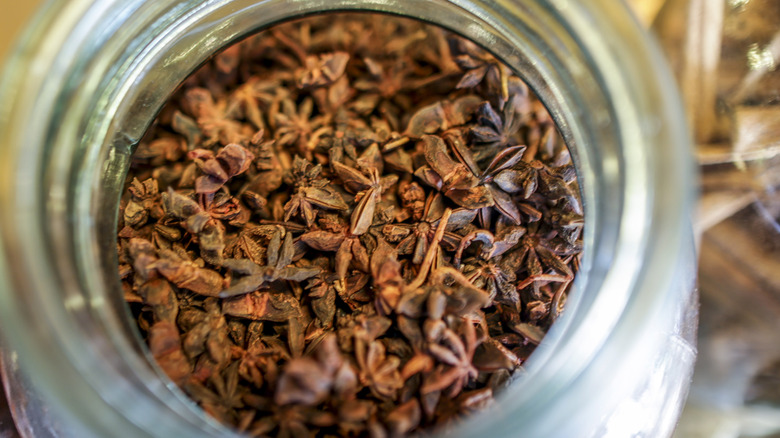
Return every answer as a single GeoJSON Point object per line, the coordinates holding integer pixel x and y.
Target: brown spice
{"type": "Point", "coordinates": [348, 225]}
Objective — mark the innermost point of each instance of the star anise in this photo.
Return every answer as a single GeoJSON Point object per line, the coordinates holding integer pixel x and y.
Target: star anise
{"type": "Point", "coordinates": [207, 335]}
{"type": "Point", "coordinates": [322, 70]}
{"type": "Point", "coordinates": [347, 246]}
{"type": "Point", "coordinates": [494, 277]}
{"type": "Point", "coordinates": [248, 100]}
{"type": "Point", "coordinates": [385, 83]}
{"type": "Point", "coordinates": [378, 370]}
{"type": "Point", "coordinates": [181, 124]}
{"type": "Point", "coordinates": [274, 306]}
{"type": "Point", "coordinates": [455, 353]}
{"type": "Point", "coordinates": [368, 186]}
{"type": "Point", "coordinates": [332, 103]}
{"type": "Point", "coordinates": [321, 290]}
{"type": "Point", "coordinates": [257, 359]}
{"type": "Point", "coordinates": [495, 131]}
{"type": "Point", "coordinates": [528, 178]}
{"type": "Point", "coordinates": [269, 173]}
{"type": "Point", "coordinates": [442, 115]}
{"type": "Point", "coordinates": [311, 191]}
{"type": "Point", "coordinates": [204, 219]}
{"type": "Point", "coordinates": [165, 347]}
{"type": "Point", "coordinates": [412, 198]}
{"type": "Point", "coordinates": [481, 66]}
{"type": "Point", "coordinates": [278, 267]}
{"type": "Point", "coordinates": [212, 117]}
{"type": "Point", "coordinates": [415, 238]}
{"type": "Point", "coordinates": [169, 148]}
{"type": "Point", "coordinates": [505, 159]}
{"type": "Point", "coordinates": [539, 260]}
{"type": "Point", "coordinates": [221, 396]}
{"type": "Point", "coordinates": [346, 133]}
{"type": "Point", "coordinates": [452, 178]}
{"type": "Point", "coordinates": [309, 380]}
{"type": "Point", "coordinates": [247, 244]}
{"type": "Point", "coordinates": [187, 274]}
{"type": "Point", "coordinates": [143, 202]}
{"type": "Point", "coordinates": [289, 421]}
{"type": "Point", "coordinates": [301, 248]}
{"type": "Point", "coordinates": [294, 124]}
{"type": "Point", "coordinates": [229, 161]}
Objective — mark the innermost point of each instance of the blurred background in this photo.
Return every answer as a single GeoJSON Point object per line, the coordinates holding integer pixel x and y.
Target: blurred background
{"type": "Point", "coordinates": [14, 15]}
{"type": "Point", "coordinates": [725, 56]}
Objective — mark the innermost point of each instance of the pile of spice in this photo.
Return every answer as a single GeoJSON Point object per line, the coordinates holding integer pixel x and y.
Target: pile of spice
{"type": "Point", "coordinates": [348, 225]}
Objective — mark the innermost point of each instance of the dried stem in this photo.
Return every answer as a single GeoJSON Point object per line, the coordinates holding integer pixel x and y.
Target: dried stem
{"type": "Point", "coordinates": [428, 261]}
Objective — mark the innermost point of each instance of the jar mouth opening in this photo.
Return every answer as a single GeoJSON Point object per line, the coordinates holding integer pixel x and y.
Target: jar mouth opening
{"type": "Point", "coordinates": [145, 62]}
{"type": "Point", "coordinates": [541, 84]}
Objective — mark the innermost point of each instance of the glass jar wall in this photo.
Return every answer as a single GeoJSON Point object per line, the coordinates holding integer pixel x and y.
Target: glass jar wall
{"type": "Point", "coordinates": [88, 79]}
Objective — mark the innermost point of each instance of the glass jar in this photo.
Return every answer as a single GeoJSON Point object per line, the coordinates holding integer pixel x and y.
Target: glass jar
{"type": "Point", "coordinates": [89, 78]}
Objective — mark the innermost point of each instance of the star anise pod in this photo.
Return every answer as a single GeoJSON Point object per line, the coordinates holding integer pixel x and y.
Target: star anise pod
{"type": "Point", "coordinates": [187, 274]}
{"type": "Point", "coordinates": [323, 70]}
{"type": "Point", "coordinates": [378, 370]}
{"type": "Point", "coordinates": [482, 66]}
{"type": "Point", "coordinates": [158, 294]}
{"type": "Point", "coordinates": [290, 421]}
{"type": "Point", "coordinates": [442, 115]}
{"type": "Point", "coordinates": [247, 243]}
{"type": "Point", "coordinates": [412, 198]}
{"type": "Point", "coordinates": [310, 191]}
{"type": "Point", "coordinates": [250, 98]}
{"type": "Point", "coordinates": [539, 259]}
{"type": "Point", "coordinates": [293, 125]}
{"type": "Point", "coordinates": [321, 290]}
{"type": "Point", "coordinates": [143, 202]}
{"type": "Point", "coordinates": [452, 178]}
{"type": "Point", "coordinates": [490, 275]}
{"type": "Point", "coordinates": [162, 234]}
{"type": "Point", "coordinates": [386, 81]}
{"type": "Point", "coordinates": [213, 119]}
{"type": "Point", "coordinates": [309, 380]}
{"type": "Point", "coordinates": [528, 178]}
{"type": "Point", "coordinates": [278, 267]}
{"type": "Point", "coordinates": [274, 306]}
{"type": "Point", "coordinates": [495, 131]}
{"type": "Point", "coordinates": [415, 238]}
{"type": "Point", "coordinates": [230, 161]}
{"type": "Point", "coordinates": [165, 149]}
{"type": "Point", "coordinates": [268, 174]}
{"type": "Point", "coordinates": [505, 159]}
{"type": "Point", "coordinates": [206, 221]}
{"type": "Point", "coordinates": [368, 186]}
{"type": "Point", "coordinates": [339, 239]}
{"type": "Point", "coordinates": [165, 347]}
{"type": "Point", "coordinates": [208, 335]}
{"type": "Point", "coordinates": [455, 354]}
{"type": "Point", "coordinates": [222, 394]}
{"type": "Point", "coordinates": [301, 247]}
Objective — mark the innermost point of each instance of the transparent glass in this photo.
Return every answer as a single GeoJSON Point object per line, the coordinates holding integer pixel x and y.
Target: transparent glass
{"type": "Point", "coordinates": [735, 44]}
{"type": "Point", "coordinates": [89, 77]}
